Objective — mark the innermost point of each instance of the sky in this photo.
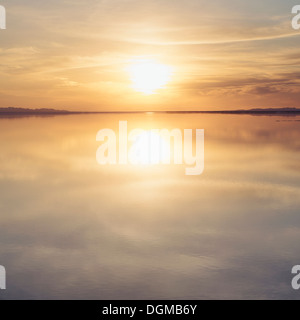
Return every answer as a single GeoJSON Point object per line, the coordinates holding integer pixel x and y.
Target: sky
{"type": "Point", "coordinates": [77, 55]}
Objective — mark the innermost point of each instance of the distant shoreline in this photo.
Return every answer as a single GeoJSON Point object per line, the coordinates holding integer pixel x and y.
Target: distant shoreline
{"type": "Point", "coordinates": [49, 112]}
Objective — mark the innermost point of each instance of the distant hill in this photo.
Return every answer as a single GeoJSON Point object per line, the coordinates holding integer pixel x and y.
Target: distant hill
{"type": "Point", "coordinates": [258, 111]}
{"type": "Point", "coordinates": [32, 111]}
{"type": "Point", "coordinates": [40, 112]}
{"type": "Point", "coordinates": [268, 111]}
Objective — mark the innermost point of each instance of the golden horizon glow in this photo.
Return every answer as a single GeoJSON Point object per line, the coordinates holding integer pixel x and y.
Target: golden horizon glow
{"type": "Point", "coordinates": [148, 76]}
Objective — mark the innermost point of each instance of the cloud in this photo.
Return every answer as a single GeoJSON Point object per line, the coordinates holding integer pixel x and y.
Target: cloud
{"type": "Point", "coordinates": [264, 90]}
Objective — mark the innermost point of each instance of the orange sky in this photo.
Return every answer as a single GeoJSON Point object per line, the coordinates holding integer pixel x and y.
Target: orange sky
{"type": "Point", "coordinates": [75, 54]}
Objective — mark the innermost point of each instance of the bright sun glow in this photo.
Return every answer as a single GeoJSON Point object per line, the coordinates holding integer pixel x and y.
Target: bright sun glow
{"type": "Point", "coordinates": [148, 76]}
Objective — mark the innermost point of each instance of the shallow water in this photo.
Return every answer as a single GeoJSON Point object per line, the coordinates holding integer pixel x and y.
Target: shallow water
{"type": "Point", "coordinates": [73, 229]}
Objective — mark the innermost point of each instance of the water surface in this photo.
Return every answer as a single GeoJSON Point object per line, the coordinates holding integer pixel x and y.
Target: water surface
{"type": "Point", "coordinates": [72, 229]}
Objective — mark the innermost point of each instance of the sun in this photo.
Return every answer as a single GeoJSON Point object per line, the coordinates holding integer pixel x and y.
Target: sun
{"type": "Point", "coordinates": [148, 76]}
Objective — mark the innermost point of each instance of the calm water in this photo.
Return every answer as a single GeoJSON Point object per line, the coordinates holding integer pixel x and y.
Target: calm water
{"type": "Point", "coordinates": [71, 228]}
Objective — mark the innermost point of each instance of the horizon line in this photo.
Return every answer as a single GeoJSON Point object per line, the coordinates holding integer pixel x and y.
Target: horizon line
{"type": "Point", "coordinates": [49, 111]}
